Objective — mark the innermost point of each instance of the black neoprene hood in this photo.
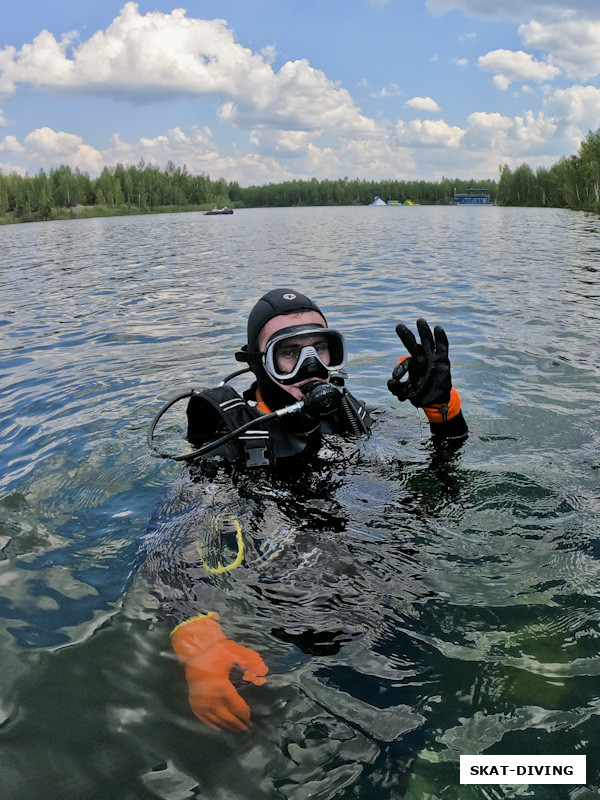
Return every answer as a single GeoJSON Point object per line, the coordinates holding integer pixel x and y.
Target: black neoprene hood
{"type": "Point", "coordinates": [272, 304]}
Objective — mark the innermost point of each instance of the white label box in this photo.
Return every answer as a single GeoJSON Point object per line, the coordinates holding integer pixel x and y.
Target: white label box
{"type": "Point", "coordinates": [522, 769]}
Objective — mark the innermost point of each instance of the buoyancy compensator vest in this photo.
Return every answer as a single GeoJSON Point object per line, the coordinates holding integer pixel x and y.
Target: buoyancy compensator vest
{"type": "Point", "coordinates": [214, 412]}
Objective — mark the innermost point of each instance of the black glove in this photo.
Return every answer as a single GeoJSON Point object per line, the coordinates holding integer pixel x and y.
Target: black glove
{"type": "Point", "coordinates": [428, 367]}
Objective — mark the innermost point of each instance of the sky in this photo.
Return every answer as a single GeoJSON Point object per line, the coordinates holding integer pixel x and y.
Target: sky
{"type": "Point", "coordinates": [262, 92]}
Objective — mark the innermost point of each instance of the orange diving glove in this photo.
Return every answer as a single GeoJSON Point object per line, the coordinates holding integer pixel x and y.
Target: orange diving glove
{"type": "Point", "coordinates": [209, 656]}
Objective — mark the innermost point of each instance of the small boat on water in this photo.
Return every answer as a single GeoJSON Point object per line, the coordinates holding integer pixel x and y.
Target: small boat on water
{"type": "Point", "coordinates": [218, 211]}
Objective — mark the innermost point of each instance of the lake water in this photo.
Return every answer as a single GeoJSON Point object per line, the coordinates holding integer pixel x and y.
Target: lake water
{"type": "Point", "coordinates": [470, 587]}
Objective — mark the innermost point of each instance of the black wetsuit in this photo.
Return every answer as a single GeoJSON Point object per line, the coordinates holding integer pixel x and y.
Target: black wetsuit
{"type": "Point", "coordinates": [194, 532]}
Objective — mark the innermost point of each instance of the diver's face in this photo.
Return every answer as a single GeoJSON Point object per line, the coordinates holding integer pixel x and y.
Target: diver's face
{"type": "Point", "coordinates": [288, 355]}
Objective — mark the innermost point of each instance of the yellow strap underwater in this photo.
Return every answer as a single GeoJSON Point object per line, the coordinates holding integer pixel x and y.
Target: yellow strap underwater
{"type": "Point", "coordinates": [216, 522]}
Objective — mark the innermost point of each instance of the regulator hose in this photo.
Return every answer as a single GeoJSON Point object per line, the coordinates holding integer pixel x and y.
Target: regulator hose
{"type": "Point", "coordinates": [321, 400]}
{"type": "Point", "coordinates": [207, 448]}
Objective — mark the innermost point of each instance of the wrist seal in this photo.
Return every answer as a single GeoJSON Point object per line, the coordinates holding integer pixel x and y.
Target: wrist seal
{"type": "Point", "coordinates": [442, 412]}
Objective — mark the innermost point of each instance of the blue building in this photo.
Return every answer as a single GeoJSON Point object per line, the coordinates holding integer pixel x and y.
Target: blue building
{"type": "Point", "coordinates": [472, 197]}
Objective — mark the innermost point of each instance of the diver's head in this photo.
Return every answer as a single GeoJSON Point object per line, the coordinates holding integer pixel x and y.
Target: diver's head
{"type": "Point", "coordinates": [295, 351]}
{"type": "Point", "coordinates": [289, 346]}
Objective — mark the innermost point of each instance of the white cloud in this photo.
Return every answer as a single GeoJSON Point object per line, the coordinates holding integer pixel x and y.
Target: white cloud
{"type": "Point", "coordinates": [49, 149]}
{"type": "Point", "coordinates": [300, 97]}
{"type": "Point", "coordinates": [531, 130]}
{"type": "Point", "coordinates": [428, 132]}
{"type": "Point", "coordinates": [140, 56]}
{"type": "Point", "coordinates": [381, 159]}
{"type": "Point", "coordinates": [283, 144]}
{"type": "Point", "coordinates": [12, 145]}
{"type": "Point", "coordinates": [34, 63]}
{"type": "Point", "coordinates": [46, 148]}
{"type": "Point", "coordinates": [10, 169]}
{"type": "Point", "coordinates": [511, 66]}
{"type": "Point", "coordinates": [508, 136]}
{"type": "Point", "coordinates": [577, 110]}
{"type": "Point", "coordinates": [199, 153]}
{"type": "Point", "coordinates": [423, 104]}
{"type": "Point", "coordinates": [52, 148]}
{"type": "Point", "coordinates": [196, 151]}
{"type": "Point", "coordinates": [580, 104]}
{"type": "Point", "coordinates": [156, 55]}
{"type": "Point", "coordinates": [3, 120]}
{"type": "Point", "coordinates": [573, 44]}
{"type": "Point", "coordinates": [7, 87]}
{"type": "Point", "coordinates": [501, 82]}
{"type": "Point", "coordinates": [487, 131]}
{"type": "Point", "coordinates": [461, 62]}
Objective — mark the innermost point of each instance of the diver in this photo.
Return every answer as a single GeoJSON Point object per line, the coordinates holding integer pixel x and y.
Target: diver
{"type": "Point", "coordinates": [298, 396]}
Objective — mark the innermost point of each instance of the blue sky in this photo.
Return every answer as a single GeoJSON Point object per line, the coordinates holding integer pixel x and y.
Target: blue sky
{"type": "Point", "coordinates": [261, 92]}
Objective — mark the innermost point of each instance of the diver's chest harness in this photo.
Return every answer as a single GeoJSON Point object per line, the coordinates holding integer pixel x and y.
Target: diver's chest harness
{"type": "Point", "coordinates": [222, 410]}
{"type": "Point", "coordinates": [223, 425]}
{"type": "Point", "coordinates": [266, 439]}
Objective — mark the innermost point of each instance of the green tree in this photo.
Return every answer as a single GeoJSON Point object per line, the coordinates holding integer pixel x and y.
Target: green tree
{"type": "Point", "coordinates": [3, 195]}
{"type": "Point", "coordinates": [42, 195]}
{"type": "Point", "coordinates": [589, 164]}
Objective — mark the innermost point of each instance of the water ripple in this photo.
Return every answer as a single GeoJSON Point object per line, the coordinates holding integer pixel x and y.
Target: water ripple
{"type": "Point", "coordinates": [410, 608]}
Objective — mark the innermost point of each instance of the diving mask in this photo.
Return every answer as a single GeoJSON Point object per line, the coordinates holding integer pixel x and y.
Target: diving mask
{"type": "Point", "coordinates": [304, 351]}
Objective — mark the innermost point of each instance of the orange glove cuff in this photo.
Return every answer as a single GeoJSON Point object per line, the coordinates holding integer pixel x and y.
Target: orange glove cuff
{"type": "Point", "coordinates": [442, 412]}
{"type": "Point", "coordinates": [196, 635]}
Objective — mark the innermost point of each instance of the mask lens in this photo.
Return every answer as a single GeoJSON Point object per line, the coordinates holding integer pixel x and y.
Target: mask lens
{"type": "Point", "coordinates": [285, 354]}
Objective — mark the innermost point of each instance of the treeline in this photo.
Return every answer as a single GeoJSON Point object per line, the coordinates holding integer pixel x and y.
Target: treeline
{"type": "Point", "coordinates": [119, 190]}
{"type": "Point", "coordinates": [573, 182]}
{"type": "Point", "coordinates": [345, 192]}
{"type": "Point", "coordinates": [146, 188]}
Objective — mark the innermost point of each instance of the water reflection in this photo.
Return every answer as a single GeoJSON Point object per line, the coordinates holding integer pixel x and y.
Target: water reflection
{"type": "Point", "coordinates": [410, 609]}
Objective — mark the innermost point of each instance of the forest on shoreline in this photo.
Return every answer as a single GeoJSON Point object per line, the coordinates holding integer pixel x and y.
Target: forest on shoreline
{"type": "Point", "coordinates": [64, 193]}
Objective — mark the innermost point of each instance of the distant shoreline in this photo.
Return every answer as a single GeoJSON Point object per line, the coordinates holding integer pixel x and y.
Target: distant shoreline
{"type": "Point", "coordinates": [91, 212]}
